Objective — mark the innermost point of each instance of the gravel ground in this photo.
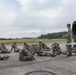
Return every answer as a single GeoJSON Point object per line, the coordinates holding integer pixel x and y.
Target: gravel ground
{"type": "Point", "coordinates": [60, 65]}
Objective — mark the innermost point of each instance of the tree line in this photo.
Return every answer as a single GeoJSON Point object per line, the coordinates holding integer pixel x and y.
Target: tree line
{"type": "Point", "coordinates": [53, 35]}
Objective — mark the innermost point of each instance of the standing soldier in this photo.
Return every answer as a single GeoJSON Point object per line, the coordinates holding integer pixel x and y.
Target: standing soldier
{"type": "Point", "coordinates": [4, 49]}
{"type": "Point", "coordinates": [14, 46]}
{"type": "Point", "coordinates": [69, 40]}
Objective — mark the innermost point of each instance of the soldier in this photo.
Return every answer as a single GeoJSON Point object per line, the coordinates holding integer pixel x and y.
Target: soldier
{"type": "Point", "coordinates": [42, 46]}
{"type": "Point", "coordinates": [4, 57]}
{"type": "Point", "coordinates": [25, 55]}
{"type": "Point", "coordinates": [69, 40]}
{"type": "Point", "coordinates": [14, 46]}
{"type": "Point", "coordinates": [28, 47]}
{"type": "Point", "coordinates": [56, 50]}
{"type": "Point", "coordinates": [43, 50]}
{"type": "Point", "coordinates": [35, 47]}
{"type": "Point", "coordinates": [44, 53]}
{"type": "Point", "coordinates": [4, 49]}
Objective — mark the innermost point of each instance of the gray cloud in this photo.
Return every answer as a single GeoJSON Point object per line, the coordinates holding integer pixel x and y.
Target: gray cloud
{"type": "Point", "coordinates": [38, 17]}
{"type": "Point", "coordinates": [46, 4]}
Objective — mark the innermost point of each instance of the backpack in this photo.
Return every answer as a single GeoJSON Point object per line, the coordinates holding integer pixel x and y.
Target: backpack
{"type": "Point", "coordinates": [74, 27]}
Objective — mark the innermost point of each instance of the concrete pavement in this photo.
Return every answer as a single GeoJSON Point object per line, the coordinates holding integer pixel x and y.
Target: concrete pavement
{"type": "Point", "coordinates": [61, 65]}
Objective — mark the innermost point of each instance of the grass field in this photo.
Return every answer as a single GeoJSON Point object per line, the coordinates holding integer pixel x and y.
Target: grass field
{"type": "Point", "coordinates": [31, 40]}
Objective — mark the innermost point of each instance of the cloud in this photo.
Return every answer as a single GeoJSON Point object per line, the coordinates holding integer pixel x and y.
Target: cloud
{"type": "Point", "coordinates": [41, 5]}
{"type": "Point", "coordinates": [35, 17]}
{"type": "Point", "coordinates": [8, 11]}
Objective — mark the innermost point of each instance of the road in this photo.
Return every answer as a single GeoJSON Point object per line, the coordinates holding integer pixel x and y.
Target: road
{"type": "Point", "coordinates": [60, 65]}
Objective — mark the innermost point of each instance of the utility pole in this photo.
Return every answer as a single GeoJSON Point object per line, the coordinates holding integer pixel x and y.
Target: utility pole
{"type": "Point", "coordinates": [11, 36]}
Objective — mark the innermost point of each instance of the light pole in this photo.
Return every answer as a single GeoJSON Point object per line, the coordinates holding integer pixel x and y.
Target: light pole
{"type": "Point", "coordinates": [11, 36]}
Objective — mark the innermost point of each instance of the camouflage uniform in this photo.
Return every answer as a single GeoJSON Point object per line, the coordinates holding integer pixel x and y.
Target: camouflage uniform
{"type": "Point", "coordinates": [69, 40]}
{"type": "Point", "coordinates": [44, 53]}
{"type": "Point", "coordinates": [4, 49]}
{"type": "Point", "coordinates": [35, 47]}
{"type": "Point", "coordinates": [4, 57]}
{"type": "Point", "coordinates": [28, 47]}
{"type": "Point", "coordinates": [56, 50]}
{"type": "Point", "coordinates": [42, 50]}
{"type": "Point", "coordinates": [25, 55]}
{"type": "Point", "coordinates": [42, 46]}
{"type": "Point", "coordinates": [14, 46]}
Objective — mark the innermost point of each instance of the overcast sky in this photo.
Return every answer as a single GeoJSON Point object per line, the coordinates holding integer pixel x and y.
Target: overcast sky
{"type": "Point", "coordinates": [31, 18]}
